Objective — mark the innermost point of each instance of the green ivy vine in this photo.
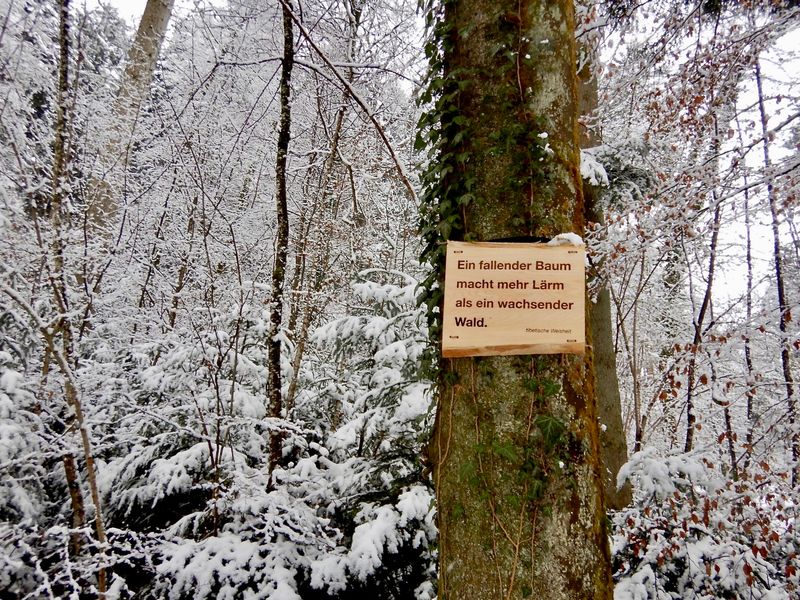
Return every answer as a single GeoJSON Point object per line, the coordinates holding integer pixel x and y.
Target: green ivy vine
{"type": "Point", "coordinates": [447, 145]}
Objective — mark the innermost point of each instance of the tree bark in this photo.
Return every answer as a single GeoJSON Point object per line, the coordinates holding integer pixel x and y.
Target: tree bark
{"type": "Point", "coordinates": [613, 446]}
{"type": "Point", "coordinates": [748, 354]}
{"type": "Point", "coordinates": [515, 448]}
{"type": "Point", "coordinates": [785, 313]}
{"type": "Point", "coordinates": [57, 275]}
{"type": "Point", "coordinates": [104, 194]}
{"type": "Point", "coordinates": [698, 325]}
{"type": "Point", "coordinates": [281, 238]}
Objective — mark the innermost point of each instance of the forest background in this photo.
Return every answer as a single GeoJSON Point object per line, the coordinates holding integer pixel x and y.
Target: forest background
{"type": "Point", "coordinates": [215, 354]}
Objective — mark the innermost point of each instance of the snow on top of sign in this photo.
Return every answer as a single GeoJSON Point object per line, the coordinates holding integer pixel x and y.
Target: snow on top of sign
{"type": "Point", "coordinates": [566, 239]}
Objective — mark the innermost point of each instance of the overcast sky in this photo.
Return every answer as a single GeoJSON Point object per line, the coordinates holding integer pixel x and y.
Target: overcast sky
{"type": "Point", "coordinates": [131, 10]}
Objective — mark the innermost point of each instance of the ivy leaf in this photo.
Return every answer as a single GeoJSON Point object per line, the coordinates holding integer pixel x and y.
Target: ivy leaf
{"type": "Point", "coordinates": [552, 430]}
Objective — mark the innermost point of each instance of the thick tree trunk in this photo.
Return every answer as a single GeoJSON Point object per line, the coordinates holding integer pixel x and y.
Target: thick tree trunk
{"type": "Point", "coordinates": [515, 447]}
{"type": "Point", "coordinates": [104, 195]}
{"type": "Point", "coordinates": [142, 58]}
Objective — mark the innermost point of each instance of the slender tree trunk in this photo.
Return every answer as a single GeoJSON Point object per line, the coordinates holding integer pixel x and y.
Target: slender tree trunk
{"type": "Point", "coordinates": [613, 445]}
{"type": "Point", "coordinates": [748, 355]}
{"type": "Point", "coordinates": [320, 247]}
{"type": "Point", "coordinates": [281, 239]}
{"type": "Point", "coordinates": [783, 307]}
{"type": "Point", "coordinates": [705, 306]}
{"type": "Point", "coordinates": [316, 241]}
{"type": "Point", "coordinates": [58, 274]}
{"type": "Point", "coordinates": [631, 345]}
{"type": "Point", "coordinates": [59, 285]}
{"type": "Point", "coordinates": [726, 415]}
{"type": "Point", "coordinates": [77, 505]}
{"type": "Point", "coordinates": [697, 339]}
{"type": "Point", "coordinates": [691, 375]}
{"type": "Point", "coordinates": [515, 446]}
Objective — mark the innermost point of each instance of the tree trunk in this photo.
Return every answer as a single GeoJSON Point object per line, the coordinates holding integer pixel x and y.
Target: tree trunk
{"type": "Point", "coordinates": [783, 306]}
{"type": "Point", "coordinates": [62, 330]}
{"type": "Point", "coordinates": [698, 325]}
{"type": "Point", "coordinates": [613, 446]}
{"type": "Point", "coordinates": [104, 195]}
{"type": "Point", "coordinates": [748, 355]}
{"type": "Point", "coordinates": [515, 448]}
{"type": "Point", "coordinates": [281, 239]}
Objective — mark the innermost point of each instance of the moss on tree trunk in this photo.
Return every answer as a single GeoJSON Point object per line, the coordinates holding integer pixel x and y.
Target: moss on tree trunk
{"type": "Point", "coordinates": [515, 447]}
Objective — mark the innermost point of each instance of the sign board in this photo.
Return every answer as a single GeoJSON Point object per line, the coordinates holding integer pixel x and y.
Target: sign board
{"type": "Point", "coordinates": [511, 298]}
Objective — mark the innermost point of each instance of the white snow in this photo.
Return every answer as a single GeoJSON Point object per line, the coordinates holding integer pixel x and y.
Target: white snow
{"type": "Point", "coordinates": [566, 239]}
{"type": "Point", "coordinates": [592, 170]}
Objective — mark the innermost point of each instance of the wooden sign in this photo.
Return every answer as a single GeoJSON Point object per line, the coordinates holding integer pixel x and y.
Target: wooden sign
{"type": "Point", "coordinates": [510, 298]}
